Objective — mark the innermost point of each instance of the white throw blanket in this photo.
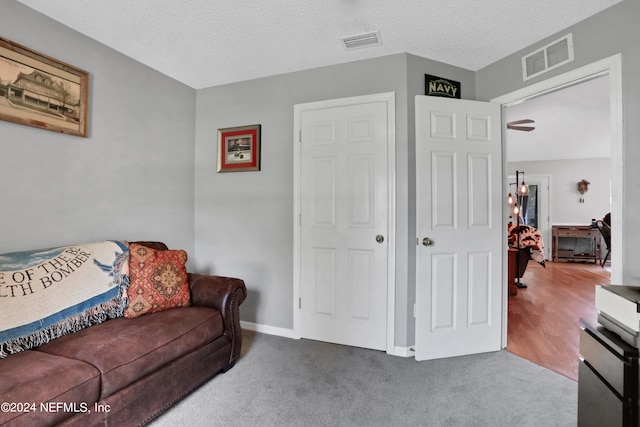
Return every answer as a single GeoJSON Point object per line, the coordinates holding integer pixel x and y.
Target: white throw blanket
{"type": "Point", "coordinates": [48, 293]}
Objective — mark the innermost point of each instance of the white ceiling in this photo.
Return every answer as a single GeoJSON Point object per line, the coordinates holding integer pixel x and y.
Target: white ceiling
{"type": "Point", "coordinates": [572, 123]}
{"type": "Point", "coordinates": [205, 43]}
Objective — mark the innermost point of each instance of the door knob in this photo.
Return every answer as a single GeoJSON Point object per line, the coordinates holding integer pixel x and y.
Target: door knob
{"type": "Point", "coordinates": [427, 241]}
{"type": "Point", "coordinates": [379, 238]}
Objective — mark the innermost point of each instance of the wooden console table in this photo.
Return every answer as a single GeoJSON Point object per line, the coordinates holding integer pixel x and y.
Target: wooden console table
{"type": "Point", "coordinates": [560, 232]}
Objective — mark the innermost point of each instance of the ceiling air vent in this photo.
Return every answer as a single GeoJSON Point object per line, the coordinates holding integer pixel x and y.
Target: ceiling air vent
{"type": "Point", "coordinates": [361, 40]}
{"type": "Point", "coordinates": [549, 57]}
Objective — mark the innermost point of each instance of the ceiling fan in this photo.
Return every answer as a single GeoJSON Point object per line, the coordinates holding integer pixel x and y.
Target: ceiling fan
{"type": "Point", "coordinates": [515, 125]}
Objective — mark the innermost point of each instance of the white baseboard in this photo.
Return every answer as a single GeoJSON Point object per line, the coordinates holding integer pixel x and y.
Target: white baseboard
{"type": "Point", "coordinates": [289, 333]}
{"type": "Point", "coordinates": [270, 330]}
{"type": "Point", "coordinates": [403, 351]}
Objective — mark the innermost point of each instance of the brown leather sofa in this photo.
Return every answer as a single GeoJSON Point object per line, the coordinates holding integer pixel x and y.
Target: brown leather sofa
{"type": "Point", "coordinates": [125, 372]}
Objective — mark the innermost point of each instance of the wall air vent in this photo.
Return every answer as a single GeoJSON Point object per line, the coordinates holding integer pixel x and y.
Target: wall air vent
{"type": "Point", "coordinates": [361, 40]}
{"type": "Point", "coordinates": [549, 57]}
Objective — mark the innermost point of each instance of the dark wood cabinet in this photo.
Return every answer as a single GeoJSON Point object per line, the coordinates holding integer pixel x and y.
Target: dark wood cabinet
{"type": "Point", "coordinates": [607, 379]}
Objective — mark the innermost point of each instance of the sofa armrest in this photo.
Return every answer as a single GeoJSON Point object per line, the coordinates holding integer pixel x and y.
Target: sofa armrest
{"type": "Point", "coordinates": [224, 294]}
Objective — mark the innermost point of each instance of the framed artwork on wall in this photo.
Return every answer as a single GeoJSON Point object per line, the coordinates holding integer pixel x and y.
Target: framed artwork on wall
{"type": "Point", "coordinates": [438, 86]}
{"type": "Point", "coordinates": [37, 90]}
{"type": "Point", "coordinates": [239, 149]}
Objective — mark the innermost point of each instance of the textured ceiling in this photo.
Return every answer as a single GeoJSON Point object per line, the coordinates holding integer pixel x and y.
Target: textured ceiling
{"type": "Point", "coordinates": [206, 43]}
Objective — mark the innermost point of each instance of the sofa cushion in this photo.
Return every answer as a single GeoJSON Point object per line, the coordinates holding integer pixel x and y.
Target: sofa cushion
{"type": "Point", "coordinates": [125, 350]}
{"type": "Point", "coordinates": [158, 280]}
{"type": "Point", "coordinates": [39, 378]}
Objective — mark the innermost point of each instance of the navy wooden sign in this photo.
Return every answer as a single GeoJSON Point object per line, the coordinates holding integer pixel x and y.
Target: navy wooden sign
{"type": "Point", "coordinates": [437, 86]}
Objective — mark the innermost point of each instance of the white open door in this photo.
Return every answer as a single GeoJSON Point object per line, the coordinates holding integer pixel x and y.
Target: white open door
{"type": "Point", "coordinates": [459, 284]}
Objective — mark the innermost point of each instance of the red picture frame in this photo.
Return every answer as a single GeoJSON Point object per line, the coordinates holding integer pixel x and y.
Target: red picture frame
{"type": "Point", "coordinates": [239, 149]}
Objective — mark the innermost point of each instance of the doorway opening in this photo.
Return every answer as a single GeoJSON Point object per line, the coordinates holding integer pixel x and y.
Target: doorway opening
{"type": "Point", "coordinates": [596, 158]}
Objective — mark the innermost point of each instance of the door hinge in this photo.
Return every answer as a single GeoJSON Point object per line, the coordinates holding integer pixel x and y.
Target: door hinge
{"type": "Point", "coordinates": [300, 303]}
{"type": "Point", "coordinates": [300, 135]}
{"type": "Point", "coordinates": [414, 311]}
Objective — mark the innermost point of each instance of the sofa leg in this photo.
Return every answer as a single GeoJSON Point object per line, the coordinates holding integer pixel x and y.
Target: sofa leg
{"type": "Point", "coordinates": [229, 366]}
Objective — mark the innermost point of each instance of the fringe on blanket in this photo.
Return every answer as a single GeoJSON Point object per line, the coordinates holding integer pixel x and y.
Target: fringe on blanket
{"type": "Point", "coordinates": [93, 316]}
{"type": "Point", "coordinates": [98, 314]}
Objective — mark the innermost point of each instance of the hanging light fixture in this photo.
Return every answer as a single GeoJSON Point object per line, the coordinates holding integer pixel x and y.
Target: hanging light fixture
{"type": "Point", "coordinates": [521, 190]}
{"type": "Point", "coordinates": [515, 201]}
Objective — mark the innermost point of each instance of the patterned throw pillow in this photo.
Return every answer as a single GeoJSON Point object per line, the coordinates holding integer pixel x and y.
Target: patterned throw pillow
{"type": "Point", "coordinates": [157, 280]}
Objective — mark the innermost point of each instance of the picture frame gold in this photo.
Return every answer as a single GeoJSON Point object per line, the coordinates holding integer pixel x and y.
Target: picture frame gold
{"type": "Point", "coordinates": [239, 148]}
{"type": "Point", "coordinates": [43, 92]}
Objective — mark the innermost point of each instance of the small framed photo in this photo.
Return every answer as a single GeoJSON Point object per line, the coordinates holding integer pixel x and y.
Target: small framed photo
{"type": "Point", "coordinates": [239, 149]}
{"type": "Point", "coordinates": [40, 91]}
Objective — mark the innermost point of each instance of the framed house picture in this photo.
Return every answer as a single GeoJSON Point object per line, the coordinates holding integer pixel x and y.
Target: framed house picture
{"type": "Point", "coordinates": [239, 149]}
{"type": "Point", "coordinates": [37, 90]}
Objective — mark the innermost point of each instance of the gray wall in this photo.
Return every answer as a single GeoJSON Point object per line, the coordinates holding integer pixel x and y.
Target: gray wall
{"type": "Point", "coordinates": [565, 206]}
{"type": "Point", "coordinates": [244, 221]}
{"type": "Point", "coordinates": [147, 170]}
{"type": "Point", "coordinates": [132, 178]}
{"type": "Point", "coordinates": [613, 31]}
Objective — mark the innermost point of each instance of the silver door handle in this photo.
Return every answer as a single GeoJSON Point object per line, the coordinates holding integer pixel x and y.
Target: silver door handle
{"type": "Point", "coordinates": [379, 238]}
{"type": "Point", "coordinates": [427, 241]}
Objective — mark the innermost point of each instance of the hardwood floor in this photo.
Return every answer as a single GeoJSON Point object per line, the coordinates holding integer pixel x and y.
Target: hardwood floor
{"type": "Point", "coordinates": [544, 318]}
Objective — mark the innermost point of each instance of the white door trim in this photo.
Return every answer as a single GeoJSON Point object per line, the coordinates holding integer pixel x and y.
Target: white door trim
{"type": "Point", "coordinates": [298, 109]}
{"type": "Point", "coordinates": [611, 66]}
